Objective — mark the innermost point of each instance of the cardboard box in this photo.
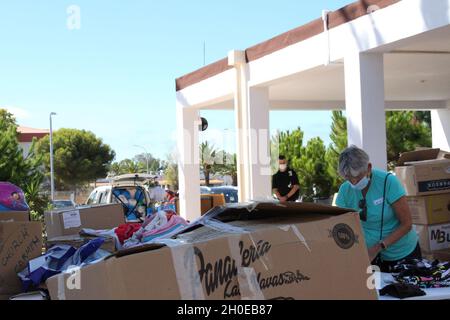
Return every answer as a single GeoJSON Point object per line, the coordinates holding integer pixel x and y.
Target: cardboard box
{"type": "Point", "coordinates": [429, 210]}
{"type": "Point", "coordinates": [208, 202]}
{"type": "Point", "coordinates": [263, 252]}
{"type": "Point", "coordinates": [211, 201]}
{"type": "Point", "coordinates": [441, 255]}
{"type": "Point", "coordinates": [77, 241]}
{"type": "Point", "coordinates": [424, 172]}
{"type": "Point", "coordinates": [17, 216]}
{"type": "Point", "coordinates": [434, 238]}
{"type": "Point", "coordinates": [72, 221]}
{"type": "Point", "coordinates": [20, 242]}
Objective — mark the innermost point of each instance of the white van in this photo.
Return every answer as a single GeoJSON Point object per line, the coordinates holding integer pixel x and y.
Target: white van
{"type": "Point", "coordinates": [128, 190]}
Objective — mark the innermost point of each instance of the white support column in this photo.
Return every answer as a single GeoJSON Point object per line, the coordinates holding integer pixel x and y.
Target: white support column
{"type": "Point", "coordinates": [188, 161]}
{"type": "Point", "coordinates": [259, 143]}
{"type": "Point", "coordinates": [238, 61]}
{"type": "Point", "coordinates": [365, 105]}
{"type": "Point", "coordinates": [440, 120]}
{"type": "Point", "coordinates": [252, 109]}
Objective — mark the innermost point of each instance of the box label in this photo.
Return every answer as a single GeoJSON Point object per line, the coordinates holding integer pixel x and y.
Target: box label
{"type": "Point", "coordinates": [439, 237]}
{"type": "Point", "coordinates": [436, 185]}
{"type": "Point", "coordinates": [71, 219]}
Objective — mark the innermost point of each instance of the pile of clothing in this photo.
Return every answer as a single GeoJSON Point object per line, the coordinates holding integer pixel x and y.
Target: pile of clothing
{"type": "Point", "coordinates": [161, 225]}
{"type": "Point", "coordinates": [423, 273]}
{"type": "Point", "coordinates": [59, 259]}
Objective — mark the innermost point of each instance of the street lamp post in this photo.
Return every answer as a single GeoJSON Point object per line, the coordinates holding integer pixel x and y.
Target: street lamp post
{"type": "Point", "coordinates": [52, 172]}
{"type": "Point", "coordinates": [146, 156]}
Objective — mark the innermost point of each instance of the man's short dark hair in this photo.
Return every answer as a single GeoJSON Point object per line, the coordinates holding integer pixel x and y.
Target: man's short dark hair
{"type": "Point", "coordinates": [281, 158]}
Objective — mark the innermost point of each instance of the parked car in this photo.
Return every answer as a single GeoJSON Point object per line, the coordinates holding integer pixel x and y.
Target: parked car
{"type": "Point", "coordinates": [130, 191]}
{"type": "Point", "coordinates": [63, 204]}
{"type": "Point", "coordinates": [230, 193]}
{"type": "Point", "coordinates": [205, 190]}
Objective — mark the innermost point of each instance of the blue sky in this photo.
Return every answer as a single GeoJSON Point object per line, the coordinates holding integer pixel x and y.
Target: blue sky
{"type": "Point", "coordinates": [116, 75]}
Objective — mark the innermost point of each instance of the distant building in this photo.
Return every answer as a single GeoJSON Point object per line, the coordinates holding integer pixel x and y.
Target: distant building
{"type": "Point", "coordinates": [26, 136]}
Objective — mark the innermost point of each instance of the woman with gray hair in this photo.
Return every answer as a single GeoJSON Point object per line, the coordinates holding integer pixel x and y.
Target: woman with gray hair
{"type": "Point", "coordinates": [380, 199]}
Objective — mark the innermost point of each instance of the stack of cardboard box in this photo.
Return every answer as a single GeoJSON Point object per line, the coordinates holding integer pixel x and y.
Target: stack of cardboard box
{"type": "Point", "coordinates": [426, 177]}
{"type": "Point", "coordinates": [21, 240]}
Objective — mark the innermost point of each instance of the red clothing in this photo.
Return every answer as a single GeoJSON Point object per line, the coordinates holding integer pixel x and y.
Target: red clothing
{"type": "Point", "coordinates": [126, 231]}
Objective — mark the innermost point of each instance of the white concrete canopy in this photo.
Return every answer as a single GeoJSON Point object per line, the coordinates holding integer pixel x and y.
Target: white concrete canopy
{"type": "Point", "coordinates": [395, 58]}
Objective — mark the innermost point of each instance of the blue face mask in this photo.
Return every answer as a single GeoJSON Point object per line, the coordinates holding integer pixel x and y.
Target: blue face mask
{"type": "Point", "coordinates": [361, 185]}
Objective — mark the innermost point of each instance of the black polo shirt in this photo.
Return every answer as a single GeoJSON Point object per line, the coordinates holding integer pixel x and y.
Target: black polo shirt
{"type": "Point", "coordinates": [284, 182]}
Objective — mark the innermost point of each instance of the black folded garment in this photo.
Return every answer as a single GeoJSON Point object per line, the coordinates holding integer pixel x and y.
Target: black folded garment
{"type": "Point", "coordinates": [402, 291]}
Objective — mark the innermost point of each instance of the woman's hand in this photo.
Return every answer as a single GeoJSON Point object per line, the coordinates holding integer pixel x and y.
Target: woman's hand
{"type": "Point", "coordinates": [374, 252]}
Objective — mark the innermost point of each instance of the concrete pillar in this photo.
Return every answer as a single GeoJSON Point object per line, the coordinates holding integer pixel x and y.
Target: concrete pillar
{"type": "Point", "coordinates": [365, 105]}
{"type": "Point", "coordinates": [238, 61]}
{"type": "Point", "coordinates": [259, 143]}
{"type": "Point", "coordinates": [252, 109]}
{"type": "Point", "coordinates": [440, 120]}
{"type": "Point", "coordinates": [188, 161]}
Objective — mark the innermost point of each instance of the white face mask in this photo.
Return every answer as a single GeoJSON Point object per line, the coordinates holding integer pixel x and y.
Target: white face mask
{"type": "Point", "coordinates": [283, 167]}
{"type": "Point", "coordinates": [361, 185]}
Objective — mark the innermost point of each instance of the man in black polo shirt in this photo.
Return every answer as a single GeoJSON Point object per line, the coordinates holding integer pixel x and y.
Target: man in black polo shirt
{"type": "Point", "coordinates": [285, 183]}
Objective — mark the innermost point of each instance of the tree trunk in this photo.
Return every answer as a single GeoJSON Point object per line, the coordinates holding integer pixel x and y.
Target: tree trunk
{"type": "Point", "coordinates": [235, 180]}
{"type": "Point", "coordinates": [207, 178]}
{"type": "Point", "coordinates": [75, 194]}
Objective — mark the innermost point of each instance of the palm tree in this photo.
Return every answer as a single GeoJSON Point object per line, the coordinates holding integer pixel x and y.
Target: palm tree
{"type": "Point", "coordinates": [229, 166]}
{"type": "Point", "coordinates": [130, 166]}
{"type": "Point", "coordinates": [207, 157]}
{"type": "Point", "coordinates": [115, 169]}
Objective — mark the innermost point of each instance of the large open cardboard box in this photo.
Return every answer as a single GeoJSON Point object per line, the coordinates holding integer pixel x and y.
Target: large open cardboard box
{"type": "Point", "coordinates": [20, 242]}
{"type": "Point", "coordinates": [71, 221]}
{"type": "Point", "coordinates": [258, 251]}
{"type": "Point", "coordinates": [424, 172]}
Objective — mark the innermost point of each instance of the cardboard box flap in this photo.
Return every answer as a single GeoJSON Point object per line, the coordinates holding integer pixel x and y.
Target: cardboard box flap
{"type": "Point", "coordinates": [136, 250]}
{"type": "Point", "coordinates": [263, 211]}
{"type": "Point", "coordinates": [444, 155]}
{"type": "Point", "coordinates": [419, 155]}
{"type": "Point", "coordinates": [235, 219]}
{"type": "Point", "coordinates": [18, 216]}
{"type": "Point", "coordinates": [266, 210]}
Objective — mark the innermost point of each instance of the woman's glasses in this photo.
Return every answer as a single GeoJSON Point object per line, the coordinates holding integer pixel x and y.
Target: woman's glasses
{"type": "Point", "coordinates": [363, 212]}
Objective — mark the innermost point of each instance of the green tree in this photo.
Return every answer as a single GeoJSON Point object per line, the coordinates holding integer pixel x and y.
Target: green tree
{"type": "Point", "coordinates": [154, 164]}
{"type": "Point", "coordinates": [7, 120]}
{"type": "Point", "coordinates": [315, 181]}
{"type": "Point", "coordinates": [79, 157]}
{"type": "Point", "coordinates": [25, 172]}
{"type": "Point", "coordinates": [228, 165]}
{"type": "Point", "coordinates": [208, 157]}
{"type": "Point", "coordinates": [405, 132]}
{"type": "Point", "coordinates": [171, 175]}
{"type": "Point", "coordinates": [423, 117]}
{"type": "Point", "coordinates": [132, 166]}
{"type": "Point", "coordinates": [115, 169]}
{"type": "Point", "coordinates": [339, 143]}
{"type": "Point", "coordinates": [309, 162]}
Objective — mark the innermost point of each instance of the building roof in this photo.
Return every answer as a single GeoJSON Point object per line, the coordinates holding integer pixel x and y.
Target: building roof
{"type": "Point", "coordinates": [346, 14]}
{"type": "Point", "coordinates": [27, 134]}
